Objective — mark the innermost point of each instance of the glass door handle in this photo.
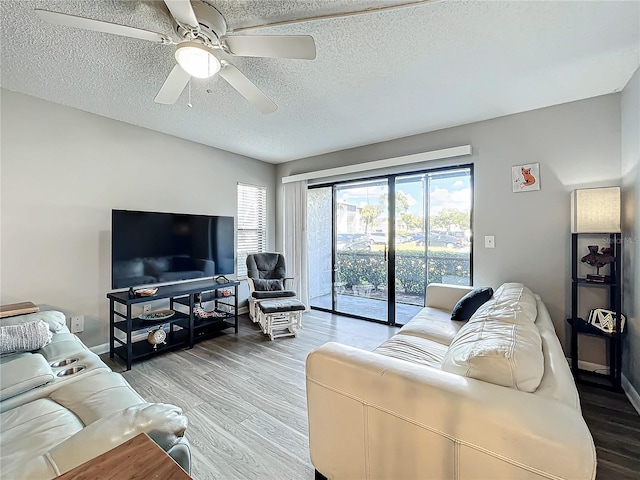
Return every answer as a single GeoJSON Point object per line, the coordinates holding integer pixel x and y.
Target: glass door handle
{"type": "Point", "coordinates": [385, 252]}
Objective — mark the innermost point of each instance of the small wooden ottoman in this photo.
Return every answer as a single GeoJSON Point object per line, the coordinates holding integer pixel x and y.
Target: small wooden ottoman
{"type": "Point", "coordinates": [280, 318]}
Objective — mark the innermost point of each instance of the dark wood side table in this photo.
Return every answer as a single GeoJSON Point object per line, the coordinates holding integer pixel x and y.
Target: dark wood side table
{"type": "Point", "coordinates": [138, 458]}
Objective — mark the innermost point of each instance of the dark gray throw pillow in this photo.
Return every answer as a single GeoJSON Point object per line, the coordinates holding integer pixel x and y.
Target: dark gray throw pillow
{"type": "Point", "coordinates": [267, 285]}
{"type": "Point", "coordinates": [468, 304]}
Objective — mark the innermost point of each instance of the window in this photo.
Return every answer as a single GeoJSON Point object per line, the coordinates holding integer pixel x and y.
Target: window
{"type": "Point", "coordinates": [252, 223]}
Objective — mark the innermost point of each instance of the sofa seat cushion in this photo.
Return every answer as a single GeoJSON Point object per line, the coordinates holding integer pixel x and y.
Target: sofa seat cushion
{"type": "Point", "coordinates": [412, 349]}
{"type": "Point", "coordinates": [33, 429]}
{"type": "Point", "coordinates": [433, 324]}
{"type": "Point", "coordinates": [507, 353]}
{"type": "Point", "coordinates": [97, 396]}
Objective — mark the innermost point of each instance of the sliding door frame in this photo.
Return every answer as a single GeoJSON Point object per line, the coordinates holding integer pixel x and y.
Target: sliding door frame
{"type": "Point", "coordinates": [391, 253]}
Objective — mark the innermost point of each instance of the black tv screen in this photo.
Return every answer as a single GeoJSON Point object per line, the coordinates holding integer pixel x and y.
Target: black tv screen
{"type": "Point", "coordinates": [154, 247]}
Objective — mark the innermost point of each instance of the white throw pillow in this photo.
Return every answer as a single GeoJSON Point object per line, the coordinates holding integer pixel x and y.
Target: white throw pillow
{"type": "Point", "coordinates": [24, 337]}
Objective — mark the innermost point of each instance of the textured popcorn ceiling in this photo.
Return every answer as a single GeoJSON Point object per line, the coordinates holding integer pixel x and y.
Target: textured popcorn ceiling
{"type": "Point", "coordinates": [378, 76]}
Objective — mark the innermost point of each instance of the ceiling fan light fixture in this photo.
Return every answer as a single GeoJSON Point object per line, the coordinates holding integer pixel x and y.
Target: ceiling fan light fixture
{"type": "Point", "coordinates": [197, 59]}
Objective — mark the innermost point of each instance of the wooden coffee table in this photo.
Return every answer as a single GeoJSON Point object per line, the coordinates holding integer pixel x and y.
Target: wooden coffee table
{"type": "Point", "coordinates": [138, 458]}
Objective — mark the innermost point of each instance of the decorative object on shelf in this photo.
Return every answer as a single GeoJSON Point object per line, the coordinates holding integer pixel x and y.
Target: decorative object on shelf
{"type": "Point", "coordinates": [202, 313]}
{"type": "Point", "coordinates": [606, 320]}
{"type": "Point", "coordinates": [595, 210]}
{"type": "Point", "coordinates": [157, 315]}
{"type": "Point", "coordinates": [598, 260]}
{"type": "Point", "coordinates": [157, 336]}
{"type": "Point", "coordinates": [146, 292]}
{"type": "Point", "coordinates": [525, 178]}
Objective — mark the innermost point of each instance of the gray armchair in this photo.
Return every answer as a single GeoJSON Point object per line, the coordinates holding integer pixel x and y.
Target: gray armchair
{"type": "Point", "coordinates": [266, 275]}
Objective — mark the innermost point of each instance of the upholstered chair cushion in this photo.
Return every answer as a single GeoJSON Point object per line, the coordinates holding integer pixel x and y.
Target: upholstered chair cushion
{"type": "Point", "coordinates": [266, 265]}
{"type": "Point", "coordinates": [267, 285]}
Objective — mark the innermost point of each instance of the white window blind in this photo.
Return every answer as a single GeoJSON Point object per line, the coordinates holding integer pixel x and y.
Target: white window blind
{"type": "Point", "coordinates": [252, 223]}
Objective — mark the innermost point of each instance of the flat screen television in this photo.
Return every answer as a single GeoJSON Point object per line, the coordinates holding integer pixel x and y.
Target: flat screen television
{"type": "Point", "coordinates": [155, 247]}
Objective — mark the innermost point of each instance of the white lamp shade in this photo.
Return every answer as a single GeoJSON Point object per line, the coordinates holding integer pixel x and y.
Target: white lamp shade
{"type": "Point", "coordinates": [595, 210]}
{"type": "Point", "coordinates": [196, 59]}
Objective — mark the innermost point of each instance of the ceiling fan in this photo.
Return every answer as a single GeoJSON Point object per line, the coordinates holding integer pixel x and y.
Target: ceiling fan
{"type": "Point", "coordinates": [203, 32]}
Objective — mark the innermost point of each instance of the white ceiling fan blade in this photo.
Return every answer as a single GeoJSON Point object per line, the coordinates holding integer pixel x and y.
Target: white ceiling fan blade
{"type": "Point", "coordinates": [272, 46]}
{"type": "Point", "coordinates": [247, 88]}
{"type": "Point", "coordinates": [173, 86]}
{"type": "Point", "coordinates": [182, 11]}
{"type": "Point", "coordinates": [100, 26]}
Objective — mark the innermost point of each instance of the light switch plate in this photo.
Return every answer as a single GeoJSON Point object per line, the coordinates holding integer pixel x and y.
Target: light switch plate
{"type": "Point", "coordinates": [489, 241]}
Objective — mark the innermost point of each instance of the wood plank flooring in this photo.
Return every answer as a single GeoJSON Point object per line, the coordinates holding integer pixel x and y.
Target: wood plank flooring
{"type": "Point", "coordinates": [245, 399]}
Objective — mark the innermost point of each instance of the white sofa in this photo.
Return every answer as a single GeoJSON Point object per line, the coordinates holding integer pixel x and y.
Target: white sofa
{"type": "Point", "coordinates": [51, 423]}
{"type": "Point", "coordinates": [491, 398]}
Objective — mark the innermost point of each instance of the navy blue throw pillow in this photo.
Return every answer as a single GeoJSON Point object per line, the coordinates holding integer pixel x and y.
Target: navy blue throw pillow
{"type": "Point", "coordinates": [468, 304]}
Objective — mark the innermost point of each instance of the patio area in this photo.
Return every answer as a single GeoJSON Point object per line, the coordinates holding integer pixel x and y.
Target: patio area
{"type": "Point", "coordinates": [374, 308]}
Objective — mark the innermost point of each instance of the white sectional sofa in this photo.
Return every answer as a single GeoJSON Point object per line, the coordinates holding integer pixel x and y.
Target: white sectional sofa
{"type": "Point", "coordinates": [491, 398]}
{"type": "Point", "coordinates": [51, 422]}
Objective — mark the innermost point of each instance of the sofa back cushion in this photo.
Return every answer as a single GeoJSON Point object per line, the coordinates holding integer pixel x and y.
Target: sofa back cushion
{"type": "Point", "coordinates": [501, 343]}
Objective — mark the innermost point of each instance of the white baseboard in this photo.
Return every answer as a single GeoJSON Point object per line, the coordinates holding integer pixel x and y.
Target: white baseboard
{"type": "Point", "coordinates": [632, 393]}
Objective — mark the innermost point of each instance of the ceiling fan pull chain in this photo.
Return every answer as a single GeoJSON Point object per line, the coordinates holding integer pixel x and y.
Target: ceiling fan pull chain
{"type": "Point", "coordinates": [189, 101]}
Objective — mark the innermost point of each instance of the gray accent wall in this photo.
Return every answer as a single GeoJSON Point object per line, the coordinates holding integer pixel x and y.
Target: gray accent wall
{"type": "Point", "coordinates": [576, 144]}
{"type": "Point", "coordinates": [630, 113]}
{"type": "Point", "coordinates": [63, 171]}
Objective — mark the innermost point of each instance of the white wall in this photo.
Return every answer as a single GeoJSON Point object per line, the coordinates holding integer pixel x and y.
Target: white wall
{"type": "Point", "coordinates": [630, 105]}
{"type": "Point", "coordinates": [577, 145]}
{"type": "Point", "coordinates": [63, 170]}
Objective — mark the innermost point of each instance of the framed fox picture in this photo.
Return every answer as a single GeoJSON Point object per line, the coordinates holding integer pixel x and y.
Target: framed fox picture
{"type": "Point", "coordinates": [525, 178]}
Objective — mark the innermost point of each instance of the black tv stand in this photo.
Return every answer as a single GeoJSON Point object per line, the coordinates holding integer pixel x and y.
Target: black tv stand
{"type": "Point", "coordinates": [184, 329]}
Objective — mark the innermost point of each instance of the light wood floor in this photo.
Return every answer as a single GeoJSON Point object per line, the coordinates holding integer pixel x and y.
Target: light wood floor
{"type": "Point", "coordinates": [244, 396]}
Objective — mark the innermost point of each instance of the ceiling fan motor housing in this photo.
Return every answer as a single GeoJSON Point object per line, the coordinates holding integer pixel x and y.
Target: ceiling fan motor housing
{"type": "Point", "coordinates": [212, 23]}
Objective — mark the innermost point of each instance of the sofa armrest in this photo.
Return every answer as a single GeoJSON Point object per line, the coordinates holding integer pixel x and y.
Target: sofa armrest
{"type": "Point", "coordinates": [164, 423]}
{"type": "Point", "coordinates": [445, 297]}
{"type": "Point", "coordinates": [361, 403]}
{"type": "Point", "coordinates": [23, 374]}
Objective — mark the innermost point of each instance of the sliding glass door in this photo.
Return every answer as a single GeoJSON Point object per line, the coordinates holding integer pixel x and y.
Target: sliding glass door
{"type": "Point", "coordinates": [432, 235]}
{"type": "Point", "coordinates": [375, 244]}
{"type": "Point", "coordinates": [361, 220]}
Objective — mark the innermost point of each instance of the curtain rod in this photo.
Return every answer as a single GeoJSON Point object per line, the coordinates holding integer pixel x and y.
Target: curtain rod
{"type": "Point", "coordinates": [460, 151]}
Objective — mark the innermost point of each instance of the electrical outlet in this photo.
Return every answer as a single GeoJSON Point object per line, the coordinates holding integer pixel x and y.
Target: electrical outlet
{"type": "Point", "coordinates": [77, 324]}
{"type": "Point", "coordinates": [146, 308]}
